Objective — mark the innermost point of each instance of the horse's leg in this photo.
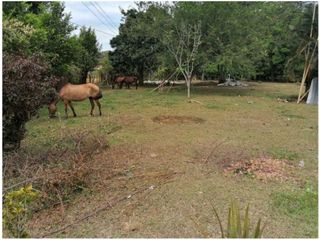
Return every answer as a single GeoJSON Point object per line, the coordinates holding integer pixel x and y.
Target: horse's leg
{"type": "Point", "coordinates": [99, 105]}
{"type": "Point", "coordinates": [65, 108]}
{"type": "Point", "coordinates": [74, 113]}
{"type": "Point", "coordinates": [92, 106]}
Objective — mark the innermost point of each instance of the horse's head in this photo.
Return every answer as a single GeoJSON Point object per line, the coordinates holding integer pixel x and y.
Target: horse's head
{"type": "Point", "coordinates": [52, 109]}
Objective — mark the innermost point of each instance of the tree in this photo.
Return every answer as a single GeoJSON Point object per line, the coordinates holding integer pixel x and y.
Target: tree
{"type": "Point", "coordinates": [106, 68]}
{"type": "Point", "coordinates": [26, 87]}
{"type": "Point", "coordinates": [137, 45]}
{"type": "Point", "coordinates": [89, 52]}
{"type": "Point", "coordinates": [37, 54]}
{"type": "Point", "coordinates": [183, 43]}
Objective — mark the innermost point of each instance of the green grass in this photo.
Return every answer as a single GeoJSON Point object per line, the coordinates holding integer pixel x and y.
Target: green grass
{"type": "Point", "coordinates": [301, 205]}
{"type": "Point", "coordinates": [298, 203]}
{"type": "Point", "coordinates": [280, 153]}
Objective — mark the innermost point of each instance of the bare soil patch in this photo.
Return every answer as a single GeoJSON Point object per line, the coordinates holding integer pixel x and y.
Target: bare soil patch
{"type": "Point", "coordinates": [262, 168]}
{"type": "Point", "coordinates": [171, 119]}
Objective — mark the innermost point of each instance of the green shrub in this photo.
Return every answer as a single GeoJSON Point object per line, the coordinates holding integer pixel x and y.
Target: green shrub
{"type": "Point", "coordinates": [26, 87]}
{"type": "Point", "coordinates": [16, 210]}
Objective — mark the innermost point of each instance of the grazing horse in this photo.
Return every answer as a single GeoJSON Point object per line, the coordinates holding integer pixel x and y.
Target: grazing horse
{"type": "Point", "coordinates": [131, 79]}
{"type": "Point", "coordinates": [71, 92]}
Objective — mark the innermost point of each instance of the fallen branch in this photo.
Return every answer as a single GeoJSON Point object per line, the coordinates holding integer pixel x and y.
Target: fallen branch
{"type": "Point", "coordinates": [214, 148]}
{"type": "Point", "coordinates": [114, 129]}
{"type": "Point", "coordinates": [105, 206]}
{"type": "Point", "coordinates": [164, 81]}
{"type": "Point", "coordinates": [195, 101]}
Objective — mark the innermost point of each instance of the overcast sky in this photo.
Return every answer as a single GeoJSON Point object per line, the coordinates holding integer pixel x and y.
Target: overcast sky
{"type": "Point", "coordinates": [103, 16]}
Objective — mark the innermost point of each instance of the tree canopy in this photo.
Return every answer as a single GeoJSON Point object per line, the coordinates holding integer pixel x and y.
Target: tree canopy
{"type": "Point", "coordinates": [249, 40]}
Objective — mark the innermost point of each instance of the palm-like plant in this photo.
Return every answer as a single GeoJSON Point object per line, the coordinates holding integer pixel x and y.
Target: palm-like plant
{"type": "Point", "coordinates": [236, 228]}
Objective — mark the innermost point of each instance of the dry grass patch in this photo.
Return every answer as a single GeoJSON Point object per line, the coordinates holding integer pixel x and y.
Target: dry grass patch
{"type": "Point", "coordinates": [56, 173]}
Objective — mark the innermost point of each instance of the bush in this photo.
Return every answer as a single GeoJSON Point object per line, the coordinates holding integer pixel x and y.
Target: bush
{"type": "Point", "coordinates": [16, 210]}
{"type": "Point", "coordinates": [26, 87]}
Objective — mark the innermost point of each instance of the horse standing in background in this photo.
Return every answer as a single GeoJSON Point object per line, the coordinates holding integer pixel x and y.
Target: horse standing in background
{"type": "Point", "coordinates": [131, 79]}
{"type": "Point", "coordinates": [125, 80]}
{"type": "Point", "coordinates": [119, 81]}
{"type": "Point", "coordinates": [71, 92]}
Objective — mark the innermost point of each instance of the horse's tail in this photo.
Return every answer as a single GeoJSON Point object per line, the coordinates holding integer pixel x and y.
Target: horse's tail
{"type": "Point", "coordinates": [98, 96]}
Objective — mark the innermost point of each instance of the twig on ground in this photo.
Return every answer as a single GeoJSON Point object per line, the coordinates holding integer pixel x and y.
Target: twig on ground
{"type": "Point", "coordinates": [106, 206]}
{"type": "Point", "coordinates": [214, 148]}
{"type": "Point", "coordinates": [114, 129]}
{"type": "Point", "coordinates": [18, 184]}
{"type": "Point", "coordinates": [195, 101]}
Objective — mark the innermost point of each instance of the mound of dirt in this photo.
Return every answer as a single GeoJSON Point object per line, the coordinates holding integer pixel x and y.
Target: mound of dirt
{"type": "Point", "coordinates": [263, 168]}
{"type": "Point", "coordinates": [170, 119]}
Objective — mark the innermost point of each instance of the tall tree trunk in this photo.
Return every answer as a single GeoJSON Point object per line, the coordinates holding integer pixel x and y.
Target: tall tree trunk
{"type": "Point", "coordinates": [83, 79]}
{"type": "Point", "coordinates": [141, 71]}
{"type": "Point", "coordinates": [222, 76]}
{"type": "Point", "coordinates": [188, 86]}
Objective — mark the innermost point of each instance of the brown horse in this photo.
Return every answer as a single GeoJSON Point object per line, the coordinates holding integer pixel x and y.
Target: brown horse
{"type": "Point", "coordinates": [71, 92]}
{"type": "Point", "coordinates": [125, 79]}
{"type": "Point", "coordinates": [131, 79]}
{"type": "Point", "coordinates": [119, 81]}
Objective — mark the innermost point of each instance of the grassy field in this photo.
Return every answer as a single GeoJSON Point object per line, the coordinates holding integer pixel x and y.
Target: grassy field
{"type": "Point", "coordinates": [180, 151]}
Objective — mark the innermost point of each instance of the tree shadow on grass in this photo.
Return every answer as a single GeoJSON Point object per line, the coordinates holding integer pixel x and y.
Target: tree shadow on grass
{"type": "Point", "coordinates": [211, 88]}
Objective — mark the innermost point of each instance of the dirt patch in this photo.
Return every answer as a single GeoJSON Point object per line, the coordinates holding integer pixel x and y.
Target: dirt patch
{"type": "Point", "coordinates": [171, 119]}
{"type": "Point", "coordinates": [263, 168]}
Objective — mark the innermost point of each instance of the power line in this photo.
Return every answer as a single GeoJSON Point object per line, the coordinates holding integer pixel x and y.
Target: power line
{"type": "Point", "coordinates": [105, 14]}
{"type": "Point", "coordinates": [97, 17]}
{"type": "Point", "coordinates": [96, 30]}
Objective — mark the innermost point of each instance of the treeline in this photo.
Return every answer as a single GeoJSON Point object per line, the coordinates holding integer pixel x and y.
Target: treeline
{"type": "Point", "coordinates": [249, 40]}
{"type": "Point", "coordinates": [39, 55]}
{"type": "Point", "coordinates": [45, 29]}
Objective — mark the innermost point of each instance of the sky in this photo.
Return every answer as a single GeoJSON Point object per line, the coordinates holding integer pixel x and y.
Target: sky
{"type": "Point", "coordinates": [103, 16]}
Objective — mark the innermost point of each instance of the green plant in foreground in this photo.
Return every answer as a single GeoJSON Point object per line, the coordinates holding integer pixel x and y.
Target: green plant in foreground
{"type": "Point", "coordinates": [15, 210]}
{"type": "Point", "coordinates": [236, 228]}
